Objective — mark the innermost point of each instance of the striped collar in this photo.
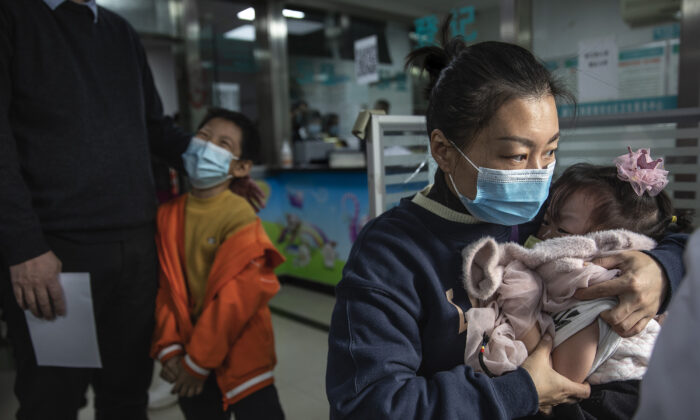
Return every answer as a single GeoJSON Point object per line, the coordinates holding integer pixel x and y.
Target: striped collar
{"type": "Point", "coordinates": [421, 199]}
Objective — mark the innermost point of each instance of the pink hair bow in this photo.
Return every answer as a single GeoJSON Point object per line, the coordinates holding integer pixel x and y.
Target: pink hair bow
{"type": "Point", "coordinates": [644, 174]}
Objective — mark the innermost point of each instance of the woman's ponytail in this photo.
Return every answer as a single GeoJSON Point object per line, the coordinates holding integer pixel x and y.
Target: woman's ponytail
{"type": "Point", "coordinates": [469, 83]}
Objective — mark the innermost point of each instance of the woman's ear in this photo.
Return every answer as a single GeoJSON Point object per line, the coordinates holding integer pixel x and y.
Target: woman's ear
{"type": "Point", "coordinates": [442, 150]}
{"type": "Point", "coordinates": [240, 168]}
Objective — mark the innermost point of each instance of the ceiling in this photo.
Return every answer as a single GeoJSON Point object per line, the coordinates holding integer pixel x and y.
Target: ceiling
{"type": "Point", "coordinates": [223, 12]}
{"type": "Point", "coordinates": [404, 9]}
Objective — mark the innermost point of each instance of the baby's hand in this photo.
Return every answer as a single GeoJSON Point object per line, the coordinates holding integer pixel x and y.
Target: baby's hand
{"type": "Point", "coordinates": [171, 369]}
{"type": "Point", "coordinates": [187, 385]}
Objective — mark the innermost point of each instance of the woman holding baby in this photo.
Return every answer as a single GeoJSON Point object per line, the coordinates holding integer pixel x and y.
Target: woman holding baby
{"type": "Point", "coordinates": [399, 328]}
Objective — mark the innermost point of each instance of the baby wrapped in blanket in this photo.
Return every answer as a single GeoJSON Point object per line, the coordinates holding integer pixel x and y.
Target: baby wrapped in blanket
{"type": "Point", "coordinates": [524, 292]}
{"type": "Point", "coordinates": [519, 289]}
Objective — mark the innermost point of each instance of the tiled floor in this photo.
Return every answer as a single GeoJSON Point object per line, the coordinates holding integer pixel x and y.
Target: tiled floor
{"type": "Point", "coordinates": [314, 306]}
{"type": "Point", "coordinates": [301, 365]}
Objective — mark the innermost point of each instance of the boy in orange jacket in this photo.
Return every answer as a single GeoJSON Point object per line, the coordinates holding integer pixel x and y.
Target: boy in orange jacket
{"type": "Point", "coordinates": [213, 327]}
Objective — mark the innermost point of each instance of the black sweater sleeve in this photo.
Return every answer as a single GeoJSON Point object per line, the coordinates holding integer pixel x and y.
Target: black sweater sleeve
{"type": "Point", "coordinates": [669, 255]}
{"type": "Point", "coordinates": [21, 237]}
{"type": "Point", "coordinates": [167, 141]}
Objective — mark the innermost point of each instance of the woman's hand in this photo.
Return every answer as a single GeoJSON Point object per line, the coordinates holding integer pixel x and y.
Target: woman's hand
{"type": "Point", "coordinates": [641, 288]}
{"type": "Point", "coordinates": [247, 188]}
{"type": "Point", "coordinates": [552, 388]}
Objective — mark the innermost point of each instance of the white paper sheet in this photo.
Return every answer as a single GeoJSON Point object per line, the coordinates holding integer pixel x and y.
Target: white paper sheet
{"type": "Point", "coordinates": [70, 340]}
{"type": "Point", "coordinates": [366, 60]}
{"type": "Point", "coordinates": [598, 62]}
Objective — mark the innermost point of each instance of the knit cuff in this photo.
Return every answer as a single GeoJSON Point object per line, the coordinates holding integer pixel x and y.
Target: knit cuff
{"type": "Point", "coordinates": [517, 392]}
{"type": "Point", "coordinates": [20, 246]}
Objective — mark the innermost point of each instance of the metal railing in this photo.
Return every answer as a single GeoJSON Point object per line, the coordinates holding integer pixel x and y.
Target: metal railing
{"type": "Point", "coordinates": [399, 155]}
{"type": "Point", "coordinates": [671, 134]}
{"type": "Point", "coordinates": [397, 159]}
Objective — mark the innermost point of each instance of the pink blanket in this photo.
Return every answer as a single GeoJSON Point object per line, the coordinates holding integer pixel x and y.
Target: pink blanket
{"type": "Point", "coordinates": [518, 288]}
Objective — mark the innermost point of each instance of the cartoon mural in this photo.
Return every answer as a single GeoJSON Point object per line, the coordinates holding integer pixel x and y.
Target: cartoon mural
{"type": "Point", "coordinates": [313, 218]}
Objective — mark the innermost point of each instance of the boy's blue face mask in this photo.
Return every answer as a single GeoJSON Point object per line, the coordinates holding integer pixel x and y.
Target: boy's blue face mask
{"type": "Point", "coordinates": [507, 197]}
{"type": "Point", "coordinates": [207, 164]}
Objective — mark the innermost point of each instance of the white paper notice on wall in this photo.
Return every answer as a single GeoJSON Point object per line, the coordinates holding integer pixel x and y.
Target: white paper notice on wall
{"type": "Point", "coordinates": [598, 69]}
{"type": "Point", "coordinates": [228, 96]}
{"type": "Point", "coordinates": [366, 60]}
{"type": "Point", "coordinates": [70, 340]}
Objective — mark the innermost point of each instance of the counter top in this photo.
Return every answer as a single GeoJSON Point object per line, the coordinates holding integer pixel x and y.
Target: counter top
{"type": "Point", "coordinates": [260, 170]}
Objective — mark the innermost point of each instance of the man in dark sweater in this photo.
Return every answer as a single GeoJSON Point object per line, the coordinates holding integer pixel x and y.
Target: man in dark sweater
{"type": "Point", "coordinates": [79, 119]}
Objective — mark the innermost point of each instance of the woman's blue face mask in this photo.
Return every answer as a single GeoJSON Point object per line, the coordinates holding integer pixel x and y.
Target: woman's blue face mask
{"type": "Point", "coordinates": [506, 197]}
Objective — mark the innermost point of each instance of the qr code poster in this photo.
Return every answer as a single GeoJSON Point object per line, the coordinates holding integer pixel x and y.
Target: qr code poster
{"type": "Point", "coordinates": [366, 60]}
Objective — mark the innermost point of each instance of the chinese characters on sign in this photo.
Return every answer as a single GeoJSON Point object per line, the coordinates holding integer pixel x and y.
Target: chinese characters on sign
{"type": "Point", "coordinates": [597, 70]}
{"type": "Point", "coordinates": [462, 18]}
{"type": "Point", "coordinates": [426, 29]}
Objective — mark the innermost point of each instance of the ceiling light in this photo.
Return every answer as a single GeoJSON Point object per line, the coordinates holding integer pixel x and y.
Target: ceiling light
{"type": "Point", "coordinates": [242, 33]}
{"type": "Point", "coordinates": [303, 27]}
{"type": "Point", "coordinates": [247, 14]}
{"type": "Point", "coordinates": [294, 14]}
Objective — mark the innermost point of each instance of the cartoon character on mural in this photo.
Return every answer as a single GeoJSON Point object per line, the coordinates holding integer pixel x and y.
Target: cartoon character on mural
{"type": "Point", "coordinates": [301, 239]}
{"type": "Point", "coordinates": [296, 198]}
{"type": "Point", "coordinates": [329, 254]}
{"type": "Point", "coordinates": [291, 230]}
{"type": "Point", "coordinates": [305, 244]}
{"type": "Point", "coordinates": [355, 223]}
{"type": "Point", "coordinates": [303, 257]}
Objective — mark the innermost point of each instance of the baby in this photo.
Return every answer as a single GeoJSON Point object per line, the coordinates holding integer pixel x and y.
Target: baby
{"type": "Point", "coordinates": [523, 292]}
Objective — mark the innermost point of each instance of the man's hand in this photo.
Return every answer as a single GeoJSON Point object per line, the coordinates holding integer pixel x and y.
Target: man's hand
{"type": "Point", "coordinates": [171, 369]}
{"type": "Point", "coordinates": [36, 286]}
{"type": "Point", "coordinates": [187, 385]}
{"type": "Point", "coordinates": [641, 288]}
{"type": "Point", "coordinates": [249, 189]}
{"type": "Point", "coordinates": [552, 388]}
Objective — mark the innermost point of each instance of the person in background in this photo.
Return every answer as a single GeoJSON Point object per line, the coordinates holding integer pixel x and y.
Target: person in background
{"type": "Point", "coordinates": [669, 388]}
{"type": "Point", "coordinates": [331, 125]}
{"type": "Point", "coordinates": [213, 331]}
{"type": "Point", "coordinates": [79, 120]}
{"type": "Point", "coordinates": [313, 129]}
{"type": "Point", "coordinates": [382, 104]}
{"type": "Point", "coordinates": [396, 341]}
{"type": "Point", "coordinates": [298, 118]}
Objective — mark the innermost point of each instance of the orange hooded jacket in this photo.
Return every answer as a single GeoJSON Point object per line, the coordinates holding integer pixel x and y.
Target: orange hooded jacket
{"type": "Point", "coordinates": [233, 335]}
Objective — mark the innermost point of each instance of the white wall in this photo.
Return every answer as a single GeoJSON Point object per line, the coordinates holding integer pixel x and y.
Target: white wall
{"type": "Point", "coordinates": [162, 63]}
{"type": "Point", "coordinates": [348, 98]}
{"type": "Point", "coordinates": [558, 26]}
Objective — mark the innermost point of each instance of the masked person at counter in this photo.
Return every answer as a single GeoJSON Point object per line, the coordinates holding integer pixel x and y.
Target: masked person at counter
{"type": "Point", "coordinates": [396, 343]}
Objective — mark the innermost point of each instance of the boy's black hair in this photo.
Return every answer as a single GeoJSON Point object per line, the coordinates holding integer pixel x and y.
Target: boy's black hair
{"type": "Point", "coordinates": [616, 205]}
{"type": "Point", "coordinates": [250, 140]}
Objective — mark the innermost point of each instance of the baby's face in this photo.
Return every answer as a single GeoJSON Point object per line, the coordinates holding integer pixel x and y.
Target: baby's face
{"type": "Point", "coordinates": [573, 218]}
